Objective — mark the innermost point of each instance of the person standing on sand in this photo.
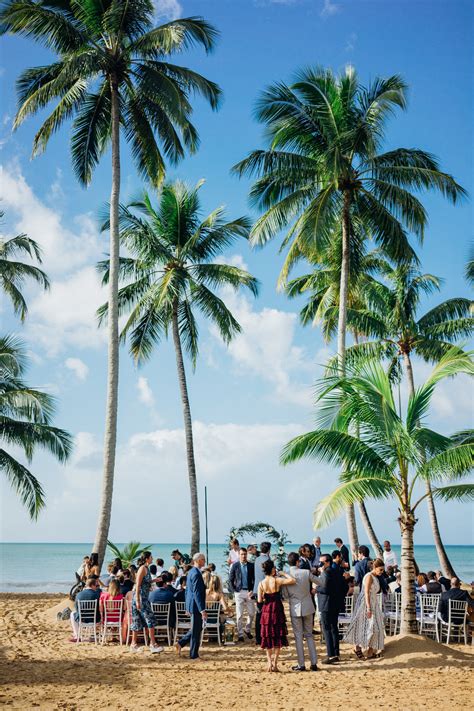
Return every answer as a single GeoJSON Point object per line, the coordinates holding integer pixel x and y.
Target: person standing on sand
{"type": "Point", "coordinates": [273, 627]}
{"type": "Point", "coordinates": [367, 629]}
{"type": "Point", "coordinates": [142, 613]}
{"type": "Point", "coordinates": [195, 606]}
{"type": "Point", "coordinates": [265, 549]}
{"type": "Point", "coordinates": [300, 602]}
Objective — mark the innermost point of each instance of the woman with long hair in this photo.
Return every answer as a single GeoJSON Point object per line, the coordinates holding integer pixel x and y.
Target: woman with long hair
{"type": "Point", "coordinates": [273, 629]}
{"type": "Point", "coordinates": [142, 613]}
{"type": "Point", "coordinates": [367, 629]}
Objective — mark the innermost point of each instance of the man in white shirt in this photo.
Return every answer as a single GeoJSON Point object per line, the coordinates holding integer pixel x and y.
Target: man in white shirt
{"type": "Point", "coordinates": [389, 556]}
{"type": "Point", "coordinates": [234, 553]}
{"type": "Point", "coordinates": [259, 576]}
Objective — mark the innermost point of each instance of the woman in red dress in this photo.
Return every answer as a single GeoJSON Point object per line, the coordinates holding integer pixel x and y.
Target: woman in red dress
{"type": "Point", "coordinates": [274, 631]}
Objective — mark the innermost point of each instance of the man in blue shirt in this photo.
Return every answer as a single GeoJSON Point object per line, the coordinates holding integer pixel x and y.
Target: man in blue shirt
{"type": "Point", "coordinates": [164, 593]}
{"type": "Point", "coordinates": [90, 592]}
{"type": "Point", "coordinates": [241, 583]}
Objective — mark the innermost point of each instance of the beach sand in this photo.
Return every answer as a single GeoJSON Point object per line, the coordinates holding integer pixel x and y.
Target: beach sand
{"type": "Point", "coordinates": [41, 669]}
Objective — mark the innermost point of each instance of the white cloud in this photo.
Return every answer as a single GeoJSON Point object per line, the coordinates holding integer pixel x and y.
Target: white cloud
{"type": "Point", "coordinates": [78, 367]}
{"type": "Point", "coordinates": [330, 8]}
{"type": "Point", "coordinates": [168, 9]}
{"type": "Point", "coordinates": [145, 393]}
{"type": "Point", "coordinates": [65, 315]}
{"type": "Point", "coordinates": [239, 464]}
{"type": "Point", "coordinates": [266, 348]}
{"type": "Point", "coordinates": [64, 249]}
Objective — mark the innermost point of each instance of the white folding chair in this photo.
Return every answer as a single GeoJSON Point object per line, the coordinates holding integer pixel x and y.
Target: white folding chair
{"type": "Point", "coordinates": [162, 611]}
{"type": "Point", "coordinates": [457, 621]}
{"type": "Point", "coordinates": [344, 618]}
{"type": "Point", "coordinates": [428, 619]}
{"type": "Point", "coordinates": [88, 620]}
{"type": "Point", "coordinates": [183, 620]}
{"type": "Point", "coordinates": [212, 627]}
{"type": "Point", "coordinates": [112, 619]}
{"type": "Point", "coordinates": [392, 607]}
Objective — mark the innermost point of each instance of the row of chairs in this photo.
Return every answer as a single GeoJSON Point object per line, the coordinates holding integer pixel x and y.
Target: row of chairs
{"type": "Point", "coordinates": [429, 621]}
{"type": "Point", "coordinates": [89, 624]}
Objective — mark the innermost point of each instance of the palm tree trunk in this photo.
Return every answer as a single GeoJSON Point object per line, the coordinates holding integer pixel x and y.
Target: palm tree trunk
{"type": "Point", "coordinates": [341, 342]}
{"type": "Point", "coordinates": [366, 522]}
{"type": "Point", "coordinates": [444, 561]}
{"type": "Point", "coordinates": [188, 431]}
{"type": "Point", "coordinates": [110, 436]}
{"type": "Point", "coordinates": [408, 613]}
{"type": "Point", "coordinates": [374, 542]}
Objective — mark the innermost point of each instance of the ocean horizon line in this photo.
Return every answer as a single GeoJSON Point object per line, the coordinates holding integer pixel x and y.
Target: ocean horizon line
{"type": "Point", "coordinates": [211, 543]}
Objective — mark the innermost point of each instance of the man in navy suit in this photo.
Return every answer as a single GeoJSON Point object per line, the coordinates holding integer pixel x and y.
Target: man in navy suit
{"type": "Point", "coordinates": [195, 606]}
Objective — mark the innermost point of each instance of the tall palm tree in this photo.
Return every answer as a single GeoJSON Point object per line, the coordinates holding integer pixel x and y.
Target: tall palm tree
{"type": "Point", "coordinates": [113, 77]}
{"type": "Point", "coordinates": [321, 289]}
{"type": "Point", "coordinates": [25, 422]}
{"type": "Point", "coordinates": [469, 273]}
{"type": "Point", "coordinates": [13, 273]}
{"type": "Point", "coordinates": [170, 274]}
{"type": "Point", "coordinates": [390, 455]}
{"type": "Point", "coordinates": [324, 166]}
{"type": "Point", "coordinates": [402, 333]}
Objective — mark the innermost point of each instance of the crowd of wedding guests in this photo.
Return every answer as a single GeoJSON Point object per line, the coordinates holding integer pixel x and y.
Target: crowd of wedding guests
{"type": "Point", "coordinates": [314, 581]}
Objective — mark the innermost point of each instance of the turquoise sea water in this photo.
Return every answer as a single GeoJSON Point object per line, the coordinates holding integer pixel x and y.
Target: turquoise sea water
{"type": "Point", "coordinates": [49, 567]}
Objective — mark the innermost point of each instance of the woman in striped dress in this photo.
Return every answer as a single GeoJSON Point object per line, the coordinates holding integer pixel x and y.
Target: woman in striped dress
{"type": "Point", "coordinates": [367, 629]}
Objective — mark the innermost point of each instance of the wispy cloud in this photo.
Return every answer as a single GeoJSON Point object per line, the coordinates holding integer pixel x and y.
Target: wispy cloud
{"type": "Point", "coordinates": [145, 393]}
{"type": "Point", "coordinates": [168, 9]}
{"type": "Point", "coordinates": [329, 8]}
{"type": "Point", "coordinates": [78, 367]}
{"type": "Point", "coordinates": [351, 42]}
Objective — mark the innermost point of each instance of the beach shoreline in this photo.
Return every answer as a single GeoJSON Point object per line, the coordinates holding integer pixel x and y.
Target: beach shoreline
{"type": "Point", "coordinates": [41, 669]}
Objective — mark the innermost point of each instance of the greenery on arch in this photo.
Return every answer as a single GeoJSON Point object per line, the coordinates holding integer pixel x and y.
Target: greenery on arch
{"type": "Point", "coordinates": [267, 532]}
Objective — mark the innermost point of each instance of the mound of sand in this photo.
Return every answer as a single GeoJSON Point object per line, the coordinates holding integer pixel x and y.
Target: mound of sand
{"type": "Point", "coordinates": [422, 652]}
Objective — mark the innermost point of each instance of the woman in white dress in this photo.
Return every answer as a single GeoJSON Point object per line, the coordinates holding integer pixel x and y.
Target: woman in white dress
{"type": "Point", "coordinates": [367, 629]}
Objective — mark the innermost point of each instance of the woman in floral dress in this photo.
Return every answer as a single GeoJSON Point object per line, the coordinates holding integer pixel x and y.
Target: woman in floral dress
{"type": "Point", "coordinates": [142, 613]}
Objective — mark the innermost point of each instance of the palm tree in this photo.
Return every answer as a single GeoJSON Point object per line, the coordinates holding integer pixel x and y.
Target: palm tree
{"type": "Point", "coordinates": [170, 275]}
{"type": "Point", "coordinates": [402, 332]}
{"type": "Point", "coordinates": [321, 288]}
{"type": "Point", "coordinates": [13, 272]}
{"type": "Point", "coordinates": [113, 77]}
{"type": "Point", "coordinates": [469, 273]}
{"type": "Point", "coordinates": [25, 423]}
{"type": "Point", "coordinates": [323, 167]}
{"type": "Point", "coordinates": [390, 455]}
{"type": "Point", "coordinates": [129, 553]}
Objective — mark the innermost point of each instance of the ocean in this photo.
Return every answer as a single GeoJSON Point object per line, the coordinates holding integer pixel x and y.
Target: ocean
{"type": "Point", "coordinates": [49, 567]}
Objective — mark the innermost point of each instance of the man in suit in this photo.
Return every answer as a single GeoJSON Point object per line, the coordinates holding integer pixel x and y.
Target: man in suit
{"type": "Point", "coordinates": [442, 580]}
{"type": "Point", "coordinates": [331, 592]}
{"type": "Point", "coordinates": [301, 606]}
{"type": "Point", "coordinates": [265, 548]}
{"type": "Point", "coordinates": [241, 582]}
{"type": "Point", "coordinates": [454, 593]}
{"type": "Point", "coordinates": [362, 565]}
{"type": "Point", "coordinates": [195, 606]}
{"type": "Point", "coordinates": [344, 553]}
{"type": "Point", "coordinates": [317, 552]}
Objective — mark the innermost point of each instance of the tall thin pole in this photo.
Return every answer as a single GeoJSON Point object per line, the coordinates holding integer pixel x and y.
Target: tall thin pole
{"type": "Point", "coordinates": [205, 514]}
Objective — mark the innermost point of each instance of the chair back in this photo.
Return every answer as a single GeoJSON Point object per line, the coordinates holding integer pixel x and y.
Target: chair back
{"type": "Point", "coordinates": [349, 605]}
{"type": "Point", "coordinates": [457, 612]}
{"type": "Point", "coordinates": [181, 615]}
{"type": "Point", "coordinates": [161, 610]}
{"type": "Point", "coordinates": [113, 610]}
{"type": "Point", "coordinates": [429, 605]}
{"type": "Point", "coordinates": [87, 610]}
{"type": "Point", "coordinates": [213, 611]}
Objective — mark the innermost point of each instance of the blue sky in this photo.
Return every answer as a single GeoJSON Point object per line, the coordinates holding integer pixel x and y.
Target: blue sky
{"type": "Point", "coordinates": [248, 401]}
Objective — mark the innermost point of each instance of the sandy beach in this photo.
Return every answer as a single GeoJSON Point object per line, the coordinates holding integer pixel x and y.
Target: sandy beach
{"type": "Point", "coordinates": [41, 669]}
